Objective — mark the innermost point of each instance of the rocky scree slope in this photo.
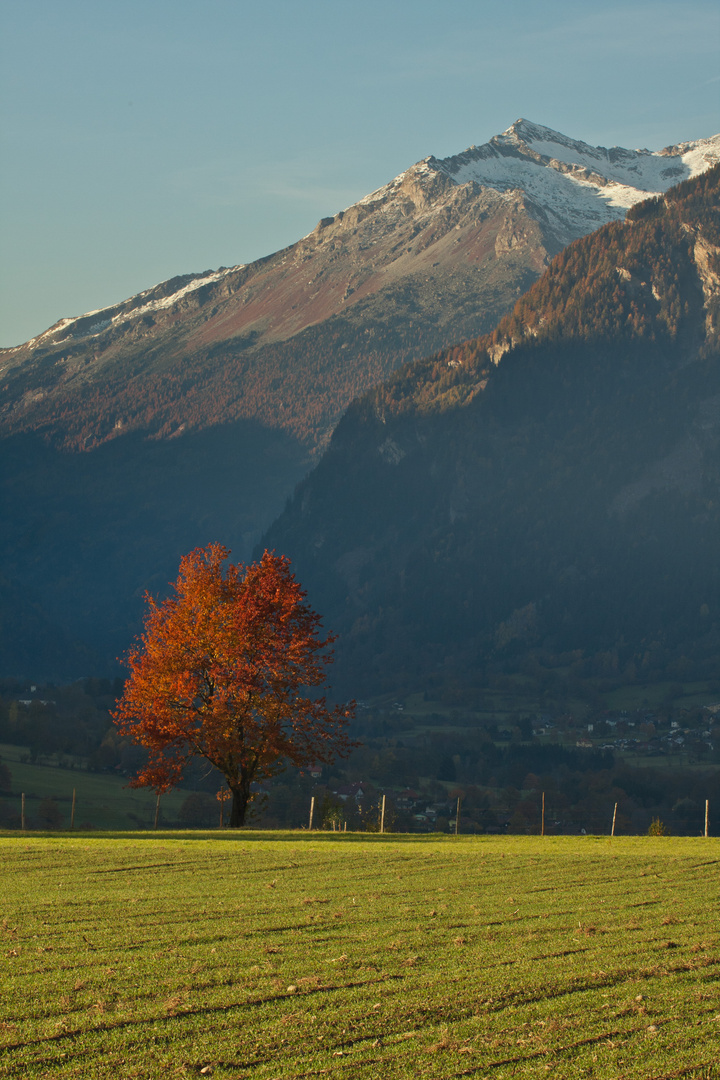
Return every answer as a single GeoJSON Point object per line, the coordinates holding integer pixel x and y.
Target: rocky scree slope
{"type": "Point", "coordinates": [551, 488]}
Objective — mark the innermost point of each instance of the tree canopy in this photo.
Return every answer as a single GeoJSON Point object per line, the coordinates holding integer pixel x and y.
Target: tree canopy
{"type": "Point", "coordinates": [222, 672]}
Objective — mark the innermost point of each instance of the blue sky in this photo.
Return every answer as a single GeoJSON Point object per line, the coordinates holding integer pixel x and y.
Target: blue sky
{"type": "Point", "coordinates": [143, 140]}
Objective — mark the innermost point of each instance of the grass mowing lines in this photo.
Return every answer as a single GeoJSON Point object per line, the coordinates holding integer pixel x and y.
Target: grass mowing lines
{"type": "Point", "coordinates": [374, 957]}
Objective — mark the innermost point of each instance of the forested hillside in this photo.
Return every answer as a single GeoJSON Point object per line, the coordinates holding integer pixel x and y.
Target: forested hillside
{"type": "Point", "coordinates": [549, 490]}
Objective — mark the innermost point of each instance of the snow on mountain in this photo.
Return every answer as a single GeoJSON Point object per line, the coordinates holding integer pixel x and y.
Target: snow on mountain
{"type": "Point", "coordinates": [579, 187]}
{"type": "Point", "coordinates": [585, 185]}
{"type": "Point", "coordinates": [570, 187]}
{"type": "Point", "coordinates": [144, 303]}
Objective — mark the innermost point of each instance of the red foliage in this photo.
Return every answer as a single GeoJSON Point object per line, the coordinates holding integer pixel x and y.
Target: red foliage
{"type": "Point", "coordinates": [220, 673]}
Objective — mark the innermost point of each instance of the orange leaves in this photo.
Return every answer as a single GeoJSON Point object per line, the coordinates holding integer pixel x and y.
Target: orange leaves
{"type": "Point", "coordinates": [222, 671]}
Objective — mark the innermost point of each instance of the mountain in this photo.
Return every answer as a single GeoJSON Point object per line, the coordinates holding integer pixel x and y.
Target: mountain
{"type": "Point", "coordinates": [433, 257]}
{"type": "Point", "coordinates": [189, 412]}
{"type": "Point", "coordinates": [547, 494]}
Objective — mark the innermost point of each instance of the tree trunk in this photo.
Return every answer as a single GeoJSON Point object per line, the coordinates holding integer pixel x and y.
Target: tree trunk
{"type": "Point", "coordinates": [240, 803]}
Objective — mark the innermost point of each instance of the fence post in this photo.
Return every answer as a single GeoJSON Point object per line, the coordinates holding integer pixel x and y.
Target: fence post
{"type": "Point", "coordinates": [157, 810]}
{"type": "Point", "coordinates": [613, 824]}
{"type": "Point", "coordinates": [457, 816]}
{"type": "Point", "coordinates": [542, 828]}
{"type": "Point", "coordinates": [72, 812]}
{"type": "Point", "coordinates": [382, 816]}
{"type": "Point", "coordinates": [312, 810]}
{"type": "Point", "coordinates": [222, 796]}
{"type": "Point", "coordinates": [22, 811]}
{"type": "Point", "coordinates": [707, 814]}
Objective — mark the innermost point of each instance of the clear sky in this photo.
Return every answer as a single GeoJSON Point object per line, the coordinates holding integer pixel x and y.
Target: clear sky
{"type": "Point", "coordinates": [140, 140]}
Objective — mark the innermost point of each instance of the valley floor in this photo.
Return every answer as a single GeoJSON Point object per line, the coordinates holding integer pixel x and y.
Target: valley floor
{"type": "Point", "coordinates": [264, 955]}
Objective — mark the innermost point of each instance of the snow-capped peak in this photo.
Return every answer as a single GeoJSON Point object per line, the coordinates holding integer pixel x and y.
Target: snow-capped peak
{"type": "Point", "coordinates": [576, 187]}
{"type": "Point", "coordinates": [581, 186]}
{"type": "Point", "coordinates": [567, 185]}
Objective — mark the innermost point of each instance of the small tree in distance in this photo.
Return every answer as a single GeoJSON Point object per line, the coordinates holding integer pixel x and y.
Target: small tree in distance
{"type": "Point", "coordinates": [221, 672]}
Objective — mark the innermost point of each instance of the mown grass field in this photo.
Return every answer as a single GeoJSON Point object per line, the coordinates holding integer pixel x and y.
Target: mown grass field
{"type": "Point", "coordinates": [263, 955]}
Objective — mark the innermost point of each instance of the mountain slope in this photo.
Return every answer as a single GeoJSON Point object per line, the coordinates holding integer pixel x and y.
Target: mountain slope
{"type": "Point", "coordinates": [189, 412]}
{"type": "Point", "coordinates": [553, 486]}
{"type": "Point", "coordinates": [433, 257]}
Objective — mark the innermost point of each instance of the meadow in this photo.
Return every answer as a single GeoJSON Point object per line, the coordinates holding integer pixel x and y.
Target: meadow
{"type": "Point", "coordinates": [296, 954]}
{"type": "Point", "coordinates": [104, 801]}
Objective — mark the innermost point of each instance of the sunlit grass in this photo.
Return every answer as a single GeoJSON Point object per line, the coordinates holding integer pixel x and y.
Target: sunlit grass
{"type": "Point", "coordinates": [292, 955]}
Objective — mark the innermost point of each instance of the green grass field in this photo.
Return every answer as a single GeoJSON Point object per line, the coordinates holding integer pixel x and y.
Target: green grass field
{"type": "Point", "coordinates": [103, 801]}
{"type": "Point", "coordinates": [264, 955]}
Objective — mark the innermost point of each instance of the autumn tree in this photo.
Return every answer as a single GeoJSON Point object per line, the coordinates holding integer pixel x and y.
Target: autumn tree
{"type": "Point", "coordinates": [222, 671]}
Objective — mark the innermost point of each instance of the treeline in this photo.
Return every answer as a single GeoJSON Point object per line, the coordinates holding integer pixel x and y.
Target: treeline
{"type": "Point", "coordinates": [55, 720]}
